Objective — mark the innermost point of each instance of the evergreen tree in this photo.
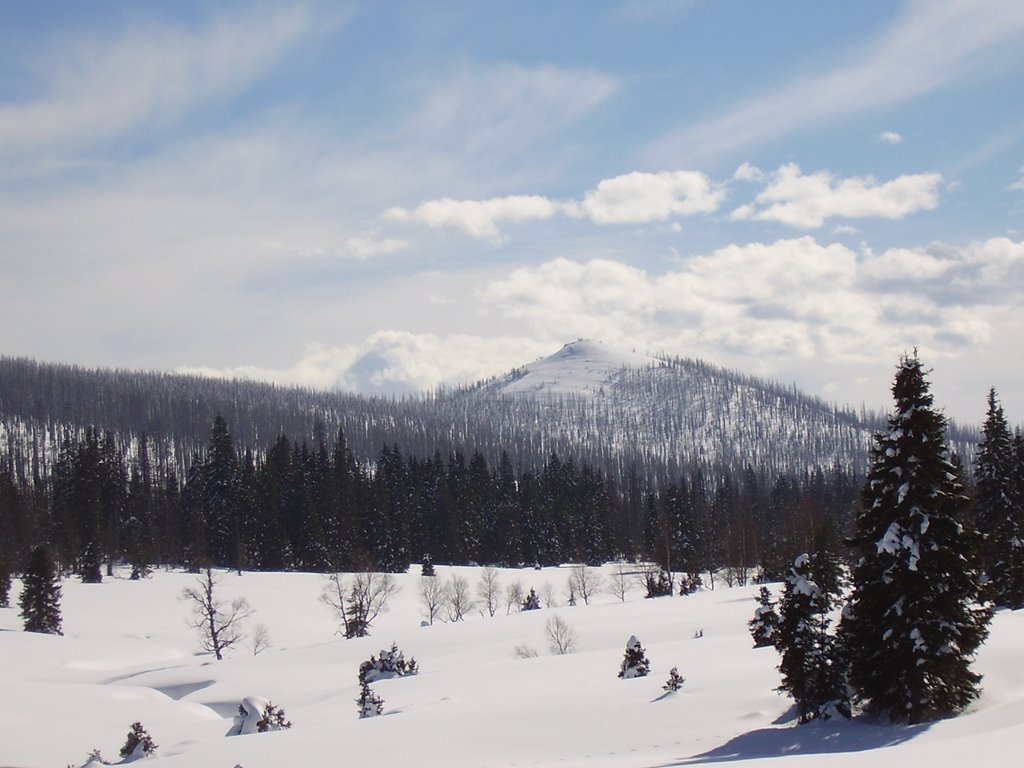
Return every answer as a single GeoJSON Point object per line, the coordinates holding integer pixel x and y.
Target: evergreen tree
{"type": "Point", "coordinates": [634, 662]}
{"type": "Point", "coordinates": [5, 585]}
{"type": "Point", "coordinates": [764, 625]}
{"type": "Point", "coordinates": [812, 667]}
{"type": "Point", "coordinates": [40, 594]}
{"type": "Point", "coordinates": [675, 681]}
{"type": "Point", "coordinates": [998, 508]}
{"type": "Point", "coordinates": [914, 622]}
{"type": "Point", "coordinates": [369, 703]}
{"type": "Point", "coordinates": [531, 602]}
{"type": "Point", "coordinates": [222, 499]}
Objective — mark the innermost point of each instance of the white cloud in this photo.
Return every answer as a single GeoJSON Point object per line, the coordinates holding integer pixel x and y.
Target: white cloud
{"type": "Point", "coordinates": [1018, 185]}
{"type": "Point", "coordinates": [477, 218]}
{"type": "Point", "coordinates": [633, 198]}
{"type": "Point", "coordinates": [929, 45]}
{"type": "Point", "coordinates": [791, 299]}
{"type": "Point", "coordinates": [844, 229]}
{"type": "Point", "coordinates": [103, 87]}
{"type": "Point", "coordinates": [365, 247]}
{"type": "Point", "coordinates": [395, 362]}
{"type": "Point", "coordinates": [748, 172]}
{"type": "Point", "coordinates": [890, 137]}
{"type": "Point", "coordinates": [640, 198]}
{"type": "Point", "coordinates": [807, 201]}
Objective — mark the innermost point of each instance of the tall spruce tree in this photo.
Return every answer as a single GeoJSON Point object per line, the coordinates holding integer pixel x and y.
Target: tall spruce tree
{"type": "Point", "coordinates": [914, 620]}
{"type": "Point", "coordinates": [998, 508]}
{"type": "Point", "coordinates": [40, 594]}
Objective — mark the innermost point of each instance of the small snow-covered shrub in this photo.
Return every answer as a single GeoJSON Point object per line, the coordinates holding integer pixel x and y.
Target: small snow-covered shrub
{"type": "Point", "coordinates": [524, 651]}
{"type": "Point", "coordinates": [764, 625]}
{"type": "Point", "coordinates": [427, 567]}
{"type": "Point", "coordinates": [256, 715]}
{"type": "Point", "coordinates": [634, 663]}
{"type": "Point", "coordinates": [139, 744]}
{"type": "Point", "coordinates": [531, 602]}
{"type": "Point", "coordinates": [391, 663]}
{"type": "Point", "coordinates": [675, 681]}
{"type": "Point", "coordinates": [690, 584]}
{"type": "Point", "coordinates": [658, 582]}
{"type": "Point", "coordinates": [273, 720]}
{"type": "Point", "coordinates": [369, 703]}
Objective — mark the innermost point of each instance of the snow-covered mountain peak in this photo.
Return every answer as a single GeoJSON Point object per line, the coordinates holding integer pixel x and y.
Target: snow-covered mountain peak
{"type": "Point", "coordinates": [583, 366]}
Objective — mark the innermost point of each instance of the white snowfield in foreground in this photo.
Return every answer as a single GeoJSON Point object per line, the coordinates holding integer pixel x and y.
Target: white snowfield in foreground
{"type": "Point", "coordinates": [128, 655]}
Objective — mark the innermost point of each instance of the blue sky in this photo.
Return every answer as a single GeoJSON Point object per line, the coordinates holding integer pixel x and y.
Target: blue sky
{"type": "Point", "coordinates": [390, 196]}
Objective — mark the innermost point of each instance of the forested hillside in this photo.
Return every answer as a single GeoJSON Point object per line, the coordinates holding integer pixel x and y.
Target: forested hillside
{"type": "Point", "coordinates": [669, 459]}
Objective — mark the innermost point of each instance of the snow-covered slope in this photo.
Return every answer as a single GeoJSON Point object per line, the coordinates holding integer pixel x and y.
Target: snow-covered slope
{"type": "Point", "coordinates": [128, 655]}
{"type": "Point", "coordinates": [582, 366]}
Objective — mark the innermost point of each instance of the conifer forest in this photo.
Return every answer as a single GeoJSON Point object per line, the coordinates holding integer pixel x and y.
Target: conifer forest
{"type": "Point", "coordinates": [155, 469]}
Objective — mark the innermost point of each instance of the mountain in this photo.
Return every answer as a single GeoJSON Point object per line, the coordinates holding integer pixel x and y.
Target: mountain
{"type": "Point", "coordinates": [630, 415]}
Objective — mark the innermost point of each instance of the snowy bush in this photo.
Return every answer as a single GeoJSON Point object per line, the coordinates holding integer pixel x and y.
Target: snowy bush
{"type": "Point", "coordinates": [764, 625]}
{"type": "Point", "coordinates": [391, 663]}
{"type": "Point", "coordinates": [658, 582]}
{"type": "Point", "coordinates": [256, 715]}
{"type": "Point", "coordinates": [634, 663]}
{"type": "Point", "coordinates": [139, 744]}
{"type": "Point", "coordinates": [690, 584]}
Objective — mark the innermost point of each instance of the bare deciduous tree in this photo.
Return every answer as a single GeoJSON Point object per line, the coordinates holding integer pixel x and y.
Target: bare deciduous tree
{"type": "Point", "coordinates": [489, 591]}
{"type": "Point", "coordinates": [547, 593]}
{"type": "Point", "coordinates": [359, 602]}
{"type": "Point", "coordinates": [260, 640]}
{"type": "Point", "coordinates": [513, 596]}
{"type": "Point", "coordinates": [562, 638]}
{"type": "Point", "coordinates": [620, 582]}
{"type": "Point", "coordinates": [219, 625]}
{"type": "Point", "coordinates": [457, 598]}
{"type": "Point", "coordinates": [584, 581]}
{"type": "Point", "coordinates": [431, 593]}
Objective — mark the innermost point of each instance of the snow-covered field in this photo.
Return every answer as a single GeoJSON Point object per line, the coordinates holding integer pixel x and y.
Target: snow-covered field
{"type": "Point", "coordinates": [128, 654]}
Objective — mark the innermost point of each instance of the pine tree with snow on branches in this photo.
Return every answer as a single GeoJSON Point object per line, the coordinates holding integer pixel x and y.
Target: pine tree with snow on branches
{"type": "Point", "coordinates": [915, 618]}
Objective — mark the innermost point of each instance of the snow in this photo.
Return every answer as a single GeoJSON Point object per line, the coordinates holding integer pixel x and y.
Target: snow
{"type": "Point", "coordinates": [580, 367]}
{"type": "Point", "coordinates": [129, 655]}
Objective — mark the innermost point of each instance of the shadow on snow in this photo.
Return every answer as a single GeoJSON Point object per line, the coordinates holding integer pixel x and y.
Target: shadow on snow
{"type": "Point", "coordinates": [815, 738]}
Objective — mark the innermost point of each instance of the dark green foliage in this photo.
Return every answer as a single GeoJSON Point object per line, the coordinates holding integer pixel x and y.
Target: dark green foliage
{"type": "Point", "coordinates": [391, 663]}
{"type": "Point", "coordinates": [914, 622]}
{"type": "Point", "coordinates": [634, 662]}
{"type": "Point", "coordinates": [658, 582]}
{"type": "Point", "coordinates": [531, 602]}
{"type": "Point", "coordinates": [999, 508]}
{"type": "Point", "coordinates": [369, 703]}
{"type": "Point", "coordinates": [764, 625]}
{"type": "Point", "coordinates": [675, 681]}
{"type": "Point", "coordinates": [40, 594]}
{"type": "Point", "coordinates": [138, 744]}
{"type": "Point", "coordinates": [812, 666]}
{"type": "Point", "coordinates": [5, 585]}
{"type": "Point", "coordinates": [273, 720]}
